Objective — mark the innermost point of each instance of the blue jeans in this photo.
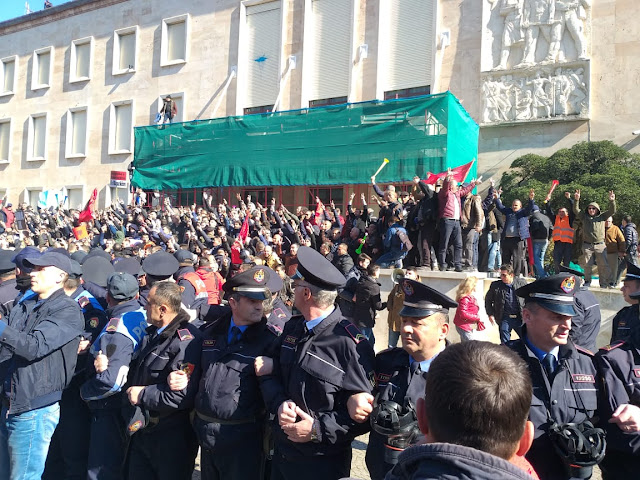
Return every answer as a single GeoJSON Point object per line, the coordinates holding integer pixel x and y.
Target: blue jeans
{"type": "Point", "coordinates": [506, 325]}
{"type": "Point", "coordinates": [368, 332]}
{"type": "Point", "coordinates": [539, 250]}
{"type": "Point", "coordinates": [495, 257]}
{"type": "Point", "coordinates": [392, 257]}
{"type": "Point", "coordinates": [393, 338]}
{"type": "Point", "coordinates": [24, 442]}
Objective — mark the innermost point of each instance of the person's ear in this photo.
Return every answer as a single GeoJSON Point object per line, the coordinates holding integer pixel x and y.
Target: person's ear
{"type": "Point", "coordinates": [422, 417]}
{"type": "Point", "coordinates": [526, 440]}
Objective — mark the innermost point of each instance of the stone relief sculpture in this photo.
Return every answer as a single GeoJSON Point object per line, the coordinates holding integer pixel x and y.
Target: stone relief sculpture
{"type": "Point", "coordinates": [544, 95]}
{"type": "Point", "coordinates": [511, 11]}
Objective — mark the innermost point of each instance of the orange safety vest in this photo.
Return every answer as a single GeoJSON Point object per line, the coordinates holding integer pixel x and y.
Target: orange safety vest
{"type": "Point", "coordinates": [198, 284]}
{"type": "Point", "coordinates": [562, 232]}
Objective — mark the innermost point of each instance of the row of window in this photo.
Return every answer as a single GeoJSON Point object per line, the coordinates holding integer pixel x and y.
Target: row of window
{"type": "Point", "coordinates": [406, 38]}
{"type": "Point", "coordinates": [125, 56]}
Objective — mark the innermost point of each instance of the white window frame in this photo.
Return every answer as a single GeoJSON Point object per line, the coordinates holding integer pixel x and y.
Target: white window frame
{"type": "Point", "coordinates": [68, 149]}
{"type": "Point", "coordinates": [8, 159]}
{"type": "Point", "coordinates": [164, 47]}
{"type": "Point", "coordinates": [31, 137]}
{"type": "Point", "coordinates": [75, 187]}
{"type": "Point", "coordinates": [112, 127]}
{"type": "Point", "coordinates": [116, 70]}
{"type": "Point", "coordinates": [73, 64]}
{"type": "Point", "coordinates": [27, 195]}
{"type": "Point", "coordinates": [35, 72]}
{"type": "Point", "coordinates": [181, 106]}
{"type": "Point", "coordinates": [11, 59]}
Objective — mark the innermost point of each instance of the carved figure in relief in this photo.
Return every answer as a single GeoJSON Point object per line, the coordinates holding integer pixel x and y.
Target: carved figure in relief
{"type": "Point", "coordinates": [505, 88]}
{"type": "Point", "coordinates": [491, 95]}
{"type": "Point", "coordinates": [568, 15]}
{"type": "Point", "coordinates": [537, 17]}
{"type": "Point", "coordinates": [523, 105]}
{"type": "Point", "coordinates": [512, 34]}
{"type": "Point", "coordinates": [561, 92]}
{"type": "Point", "coordinates": [541, 98]}
{"type": "Point", "coordinates": [578, 93]}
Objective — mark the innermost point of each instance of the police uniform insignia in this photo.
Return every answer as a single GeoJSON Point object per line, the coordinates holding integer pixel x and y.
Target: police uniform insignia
{"type": "Point", "coordinates": [291, 340]}
{"type": "Point", "coordinates": [610, 347]}
{"type": "Point", "coordinates": [93, 322]}
{"type": "Point", "coordinates": [583, 378]}
{"type": "Point", "coordinates": [383, 377]}
{"type": "Point", "coordinates": [622, 323]}
{"type": "Point", "coordinates": [208, 343]}
{"type": "Point", "coordinates": [186, 367]}
{"type": "Point", "coordinates": [568, 284]}
{"type": "Point", "coordinates": [83, 301]}
{"type": "Point", "coordinates": [279, 313]}
{"type": "Point", "coordinates": [112, 326]}
{"type": "Point", "coordinates": [135, 426]}
{"type": "Point", "coordinates": [408, 289]}
{"type": "Point", "coordinates": [275, 329]}
{"type": "Point", "coordinates": [181, 289]}
{"type": "Point", "coordinates": [259, 276]}
{"type": "Point", "coordinates": [636, 372]}
{"type": "Point", "coordinates": [184, 334]}
{"type": "Point", "coordinates": [354, 332]}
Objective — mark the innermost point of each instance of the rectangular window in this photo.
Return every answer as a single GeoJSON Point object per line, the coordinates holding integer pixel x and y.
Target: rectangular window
{"type": "Point", "coordinates": [261, 195]}
{"type": "Point", "coordinates": [125, 50]}
{"type": "Point", "coordinates": [76, 144]}
{"type": "Point", "coordinates": [121, 127]}
{"type": "Point", "coordinates": [8, 75]}
{"type": "Point", "coordinates": [81, 60]}
{"type": "Point", "coordinates": [324, 102]}
{"type": "Point", "coordinates": [326, 194]}
{"type": "Point", "coordinates": [41, 73]}
{"type": "Point", "coordinates": [75, 197]}
{"type": "Point", "coordinates": [260, 109]}
{"type": "Point", "coordinates": [37, 137]}
{"type": "Point", "coordinates": [331, 49]}
{"type": "Point", "coordinates": [5, 140]}
{"type": "Point", "coordinates": [174, 40]}
{"type": "Point", "coordinates": [263, 27]}
{"type": "Point", "coordinates": [408, 55]}
{"type": "Point", "coordinates": [33, 196]}
{"type": "Point", "coordinates": [178, 98]}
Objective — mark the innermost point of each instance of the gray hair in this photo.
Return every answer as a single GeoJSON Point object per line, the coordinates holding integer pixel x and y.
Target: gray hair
{"type": "Point", "coordinates": [322, 298]}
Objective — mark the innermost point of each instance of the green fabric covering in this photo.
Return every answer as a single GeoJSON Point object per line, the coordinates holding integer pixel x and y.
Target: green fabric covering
{"type": "Point", "coordinates": [342, 144]}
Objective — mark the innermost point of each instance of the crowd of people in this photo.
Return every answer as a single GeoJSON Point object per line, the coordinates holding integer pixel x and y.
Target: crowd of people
{"type": "Point", "coordinates": [133, 337]}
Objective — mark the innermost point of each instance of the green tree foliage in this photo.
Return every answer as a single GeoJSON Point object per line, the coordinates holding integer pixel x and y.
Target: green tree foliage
{"type": "Point", "coordinates": [593, 167]}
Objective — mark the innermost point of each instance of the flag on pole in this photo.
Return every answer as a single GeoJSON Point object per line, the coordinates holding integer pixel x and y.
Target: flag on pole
{"type": "Point", "coordinates": [458, 173]}
{"type": "Point", "coordinates": [239, 243]}
{"type": "Point", "coordinates": [86, 215]}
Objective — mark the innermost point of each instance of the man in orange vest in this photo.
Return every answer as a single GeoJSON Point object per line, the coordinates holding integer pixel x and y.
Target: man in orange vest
{"type": "Point", "coordinates": [194, 291]}
{"type": "Point", "coordinates": [562, 240]}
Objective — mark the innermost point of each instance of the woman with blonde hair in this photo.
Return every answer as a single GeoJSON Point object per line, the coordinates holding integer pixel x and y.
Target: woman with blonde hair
{"type": "Point", "coordinates": [467, 318]}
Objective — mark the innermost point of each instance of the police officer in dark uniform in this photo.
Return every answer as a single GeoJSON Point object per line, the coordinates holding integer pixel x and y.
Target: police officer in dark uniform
{"type": "Point", "coordinates": [563, 377]}
{"type": "Point", "coordinates": [401, 373]}
{"type": "Point", "coordinates": [323, 360]}
{"type": "Point", "coordinates": [619, 370]}
{"type": "Point", "coordinates": [194, 294]}
{"type": "Point", "coordinates": [158, 267]}
{"type": "Point", "coordinates": [95, 272]}
{"type": "Point", "coordinates": [585, 324]}
{"type": "Point", "coordinates": [163, 444]}
{"type": "Point", "coordinates": [119, 341]}
{"type": "Point", "coordinates": [69, 449]}
{"type": "Point", "coordinates": [8, 286]}
{"type": "Point", "coordinates": [627, 318]}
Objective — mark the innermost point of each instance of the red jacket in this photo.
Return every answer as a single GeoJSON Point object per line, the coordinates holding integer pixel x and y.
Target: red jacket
{"type": "Point", "coordinates": [467, 313]}
{"type": "Point", "coordinates": [446, 197]}
{"type": "Point", "coordinates": [213, 281]}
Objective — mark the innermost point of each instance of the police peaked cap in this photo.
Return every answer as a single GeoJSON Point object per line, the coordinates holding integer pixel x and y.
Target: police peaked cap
{"type": "Point", "coordinates": [572, 271]}
{"type": "Point", "coordinates": [6, 265]}
{"type": "Point", "coordinates": [129, 265]}
{"type": "Point", "coordinates": [316, 270]}
{"type": "Point", "coordinates": [96, 269]}
{"type": "Point", "coordinates": [422, 301]}
{"type": "Point", "coordinates": [252, 283]}
{"type": "Point", "coordinates": [633, 272]}
{"type": "Point", "coordinates": [160, 264]}
{"type": "Point", "coordinates": [554, 293]}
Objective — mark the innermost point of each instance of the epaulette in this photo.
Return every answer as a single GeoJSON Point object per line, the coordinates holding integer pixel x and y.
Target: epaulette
{"type": "Point", "coordinates": [184, 334]}
{"type": "Point", "coordinates": [275, 329]}
{"type": "Point", "coordinates": [83, 301]}
{"type": "Point", "coordinates": [112, 326]}
{"type": "Point", "coordinates": [611, 346]}
{"type": "Point", "coordinates": [353, 331]}
{"type": "Point", "coordinates": [584, 350]}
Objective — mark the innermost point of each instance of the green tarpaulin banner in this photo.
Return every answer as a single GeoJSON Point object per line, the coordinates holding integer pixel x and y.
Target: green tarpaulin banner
{"type": "Point", "coordinates": [335, 145]}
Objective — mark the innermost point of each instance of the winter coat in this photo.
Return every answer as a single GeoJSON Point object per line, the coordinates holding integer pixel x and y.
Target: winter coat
{"type": "Point", "coordinates": [367, 302]}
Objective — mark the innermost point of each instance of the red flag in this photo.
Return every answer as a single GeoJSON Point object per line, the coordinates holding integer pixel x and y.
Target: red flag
{"type": "Point", "coordinates": [459, 174]}
{"type": "Point", "coordinates": [86, 215]}
{"type": "Point", "coordinates": [244, 230]}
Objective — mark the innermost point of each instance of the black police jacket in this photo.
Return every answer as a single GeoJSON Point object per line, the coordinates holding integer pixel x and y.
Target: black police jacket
{"type": "Point", "coordinates": [585, 325]}
{"type": "Point", "coordinates": [619, 371]}
{"type": "Point", "coordinates": [39, 349]}
{"type": "Point", "coordinates": [95, 319]}
{"type": "Point", "coordinates": [571, 397]}
{"type": "Point", "coordinates": [623, 322]}
{"type": "Point", "coordinates": [319, 370]}
{"type": "Point", "coordinates": [8, 292]}
{"type": "Point", "coordinates": [279, 315]}
{"type": "Point", "coordinates": [229, 389]}
{"type": "Point", "coordinates": [177, 347]}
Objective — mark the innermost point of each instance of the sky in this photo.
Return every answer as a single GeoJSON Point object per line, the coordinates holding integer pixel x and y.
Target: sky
{"type": "Point", "coordinates": [16, 8]}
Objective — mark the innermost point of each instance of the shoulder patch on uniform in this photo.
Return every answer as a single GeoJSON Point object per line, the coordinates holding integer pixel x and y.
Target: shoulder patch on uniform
{"type": "Point", "coordinates": [135, 426]}
{"type": "Point", "coordinates": [93, 322]}
{"type": "Point", "coordinates": [186, 367]}
{"type": "Point", "coordinates": [290, 339]}
{"type": "Point", "coordinates": [611, 346]}
{"type": "Point", "coordinates": [275, 329]}
{"type": "Point", "coordinates": [184, 334]}
{"type": "Point", "coordinates": [583, 378]}
{"type": "Point", "coordinates": [112, 326]}
{"type": "Point", "coordinates": [83, 301]}
{"type": "Point", "coordinates": [209, 342]}
{"type": "Point", "coordinates": [353, 331]}
{"type": "Point", "coordinates": [584, 350]}
{"type": "Point", "coordinates": [280, 313]}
